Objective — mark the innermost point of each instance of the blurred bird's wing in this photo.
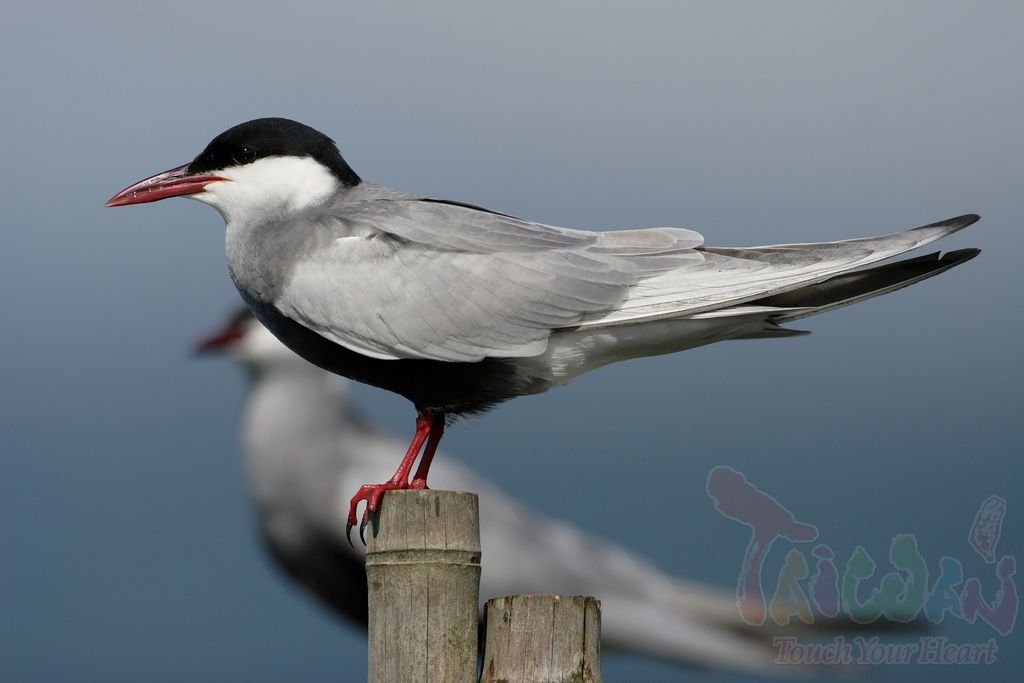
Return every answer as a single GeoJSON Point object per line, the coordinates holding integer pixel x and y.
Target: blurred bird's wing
{"type": "Point", "coordinates": [643, 609]}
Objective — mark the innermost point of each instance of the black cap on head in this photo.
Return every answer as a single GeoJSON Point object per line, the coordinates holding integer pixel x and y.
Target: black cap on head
{"type": "Point", "coordinates": [252, 140]}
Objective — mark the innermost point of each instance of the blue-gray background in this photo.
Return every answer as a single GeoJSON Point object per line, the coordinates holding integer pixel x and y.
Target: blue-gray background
{"type": "Point", "coordinates": [126, 550]}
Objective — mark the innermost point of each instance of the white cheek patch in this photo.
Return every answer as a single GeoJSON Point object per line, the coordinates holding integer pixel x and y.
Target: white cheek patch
{"type": "Point", "coordinates": [272, 186]}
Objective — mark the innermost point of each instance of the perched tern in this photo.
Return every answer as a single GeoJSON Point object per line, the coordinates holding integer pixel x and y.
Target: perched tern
{"type": "Point", "coordinates": [459, 308]}
{"type": "Point", "coordinates": [305, 447]}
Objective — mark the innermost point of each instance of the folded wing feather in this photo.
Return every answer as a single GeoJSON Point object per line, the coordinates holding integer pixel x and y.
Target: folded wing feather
{"type": "Point", "coordinates": [430, 280]}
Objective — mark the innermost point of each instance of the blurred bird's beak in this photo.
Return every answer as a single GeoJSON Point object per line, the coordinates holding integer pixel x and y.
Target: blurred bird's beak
{"type": "Point", "coordinates": [219, 341]}
{"type": "Point", "coordinates": [176, 182]}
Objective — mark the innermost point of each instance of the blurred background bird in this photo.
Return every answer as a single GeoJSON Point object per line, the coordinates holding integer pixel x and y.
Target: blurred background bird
{"type": "Point", "coordinates": [305, 446]}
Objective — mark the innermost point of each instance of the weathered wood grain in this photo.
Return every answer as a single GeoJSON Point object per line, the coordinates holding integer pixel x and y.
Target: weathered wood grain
{"type": "Point", "coordinates": [543, 639]}
{"type": "Point", "coordinates": [423, 574]}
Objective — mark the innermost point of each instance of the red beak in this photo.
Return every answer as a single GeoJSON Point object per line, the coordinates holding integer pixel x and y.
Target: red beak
{"type": "Point", "coordinates": [174, 183]}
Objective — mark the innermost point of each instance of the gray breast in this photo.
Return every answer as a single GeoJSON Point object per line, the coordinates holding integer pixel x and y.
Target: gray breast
{"type": "Point", "coordinates": [263, 256]}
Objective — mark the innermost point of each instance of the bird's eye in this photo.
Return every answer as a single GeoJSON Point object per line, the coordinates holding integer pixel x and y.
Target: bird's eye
{"type": "Point", "coordinates": [244, 155]}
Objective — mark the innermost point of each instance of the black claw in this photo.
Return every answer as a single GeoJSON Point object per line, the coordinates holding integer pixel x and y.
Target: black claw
{"type": "Point", "coordinates": [362, 527]}
{"type": "Point", "coordinates": [348, 534]}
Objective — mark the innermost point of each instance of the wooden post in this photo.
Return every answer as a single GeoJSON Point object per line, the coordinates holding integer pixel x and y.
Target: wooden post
{"type": "Point", "coordinates": [543, 639]}
{"type": "Point", "coordinates": [423, 576]}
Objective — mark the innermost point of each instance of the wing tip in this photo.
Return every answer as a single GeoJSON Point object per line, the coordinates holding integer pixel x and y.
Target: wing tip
{"type": "Point", "coordinates": [959, 256]}
{"type": "Point", "coordinates": [955, 223]}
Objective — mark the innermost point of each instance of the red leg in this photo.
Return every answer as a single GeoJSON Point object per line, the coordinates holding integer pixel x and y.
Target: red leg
{"type": "Point", "coordinates": [429, 429]}
{"type": "Point", "coordinates": [419, 480]}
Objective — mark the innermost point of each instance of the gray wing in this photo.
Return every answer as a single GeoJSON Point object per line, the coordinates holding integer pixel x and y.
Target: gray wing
{"type": "Point", "coordinates": [455, 226]}
{"type": "Point", "coordinates": [408, 278]}
{"type": "Point", "coordinates": [411, 278]}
